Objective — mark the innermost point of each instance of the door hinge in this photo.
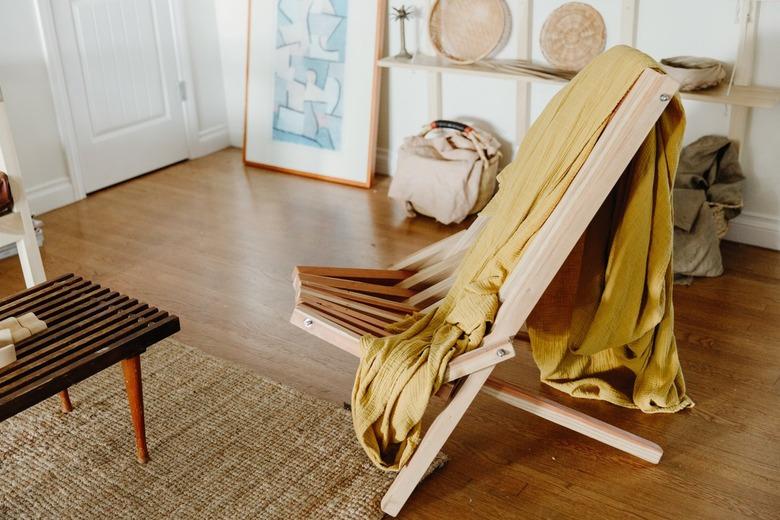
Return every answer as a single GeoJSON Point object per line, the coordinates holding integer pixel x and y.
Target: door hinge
{"type": "Point", "coordinates": [183, 90]}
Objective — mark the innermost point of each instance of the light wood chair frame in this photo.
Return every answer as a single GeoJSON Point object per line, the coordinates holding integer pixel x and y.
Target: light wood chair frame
{"type": "Point", "coordinates": [433, 268]}
{"type": "Point", "coordinates": [17, 227]}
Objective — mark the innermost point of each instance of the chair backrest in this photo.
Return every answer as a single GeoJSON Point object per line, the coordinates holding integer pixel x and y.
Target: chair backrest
{"type": "Point", "coordinates": [620, 140]}
{"type": "Point", "coordinates": [622, 137]}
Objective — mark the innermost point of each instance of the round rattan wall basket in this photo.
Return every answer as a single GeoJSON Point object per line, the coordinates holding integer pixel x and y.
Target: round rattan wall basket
{"type": "Point", "coordinates": [466, 31]}
{"type": "Point", "coordinates": [573, 35]}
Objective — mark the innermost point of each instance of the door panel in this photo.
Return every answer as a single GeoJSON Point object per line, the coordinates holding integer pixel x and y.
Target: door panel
{"type": "Point", "coordinates": [121, 76]}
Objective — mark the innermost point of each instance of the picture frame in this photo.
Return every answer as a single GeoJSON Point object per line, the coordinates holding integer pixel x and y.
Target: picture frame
{"type": "Point", "coordinates": [312, 87]}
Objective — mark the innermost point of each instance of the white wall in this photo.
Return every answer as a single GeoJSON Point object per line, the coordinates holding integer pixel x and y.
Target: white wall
{"type": "Point", "coordinates": [232, 23]}
{"type": "Point", "coordinates": [25, 83]}
{"type": "Point", "coordinates": [207, 86]}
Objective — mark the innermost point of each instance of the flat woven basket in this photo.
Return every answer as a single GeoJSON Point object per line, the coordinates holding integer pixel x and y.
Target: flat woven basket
{"type": "Point", "coordinates": [466, 31]}
{"type": "Point", "coordinates": [573, 35]}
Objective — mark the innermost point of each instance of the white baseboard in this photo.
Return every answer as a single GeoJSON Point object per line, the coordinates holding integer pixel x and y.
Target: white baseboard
{"type": "Point", "coordinates": [50, 195]}
{"type": "Point", "coordinates": [755, 229]}
{"type": "Point", "coordinates": [211, 140]}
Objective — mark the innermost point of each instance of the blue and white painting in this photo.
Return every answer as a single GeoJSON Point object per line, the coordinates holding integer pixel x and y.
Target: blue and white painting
{"type": "Point", "coordinates": [311, 41]}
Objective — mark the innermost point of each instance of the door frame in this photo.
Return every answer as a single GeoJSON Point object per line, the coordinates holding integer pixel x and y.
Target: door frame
{"type": "Point", "coordinates": [62, 106]}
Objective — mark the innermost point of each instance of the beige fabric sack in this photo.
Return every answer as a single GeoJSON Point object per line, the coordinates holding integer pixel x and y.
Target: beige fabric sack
{"type": "Point", "coordinates": [447, 177]}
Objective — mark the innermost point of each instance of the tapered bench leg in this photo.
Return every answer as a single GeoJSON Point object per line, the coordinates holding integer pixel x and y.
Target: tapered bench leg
{"type": "Point", "coordinates": [131, 368]}
{"type": "Point", "coordinates": [65, 403]}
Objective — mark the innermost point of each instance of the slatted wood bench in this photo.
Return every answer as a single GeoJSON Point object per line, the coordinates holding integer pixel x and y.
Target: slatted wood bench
{"type": "Point", "coordinates": [90, 328]}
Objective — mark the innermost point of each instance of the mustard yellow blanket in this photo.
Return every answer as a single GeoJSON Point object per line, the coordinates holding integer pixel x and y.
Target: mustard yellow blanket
{"type": "Point", "coordinates": [604, 328]}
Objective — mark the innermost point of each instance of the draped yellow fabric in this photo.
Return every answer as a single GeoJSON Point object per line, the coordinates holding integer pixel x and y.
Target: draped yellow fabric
{"type": "Point", "coordinates": [604, 327]}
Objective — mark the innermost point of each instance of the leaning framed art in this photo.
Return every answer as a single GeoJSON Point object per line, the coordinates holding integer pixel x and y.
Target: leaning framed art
{"type": "Point", "coordinates": [312, 87]}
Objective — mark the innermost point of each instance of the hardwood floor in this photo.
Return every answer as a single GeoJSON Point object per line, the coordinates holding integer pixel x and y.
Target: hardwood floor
{"type": "Point", "coordinates": [216, 243]}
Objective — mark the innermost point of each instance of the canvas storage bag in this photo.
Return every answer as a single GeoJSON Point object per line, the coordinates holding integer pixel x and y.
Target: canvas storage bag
{"type": "Point", "coordinates": [448, 176]}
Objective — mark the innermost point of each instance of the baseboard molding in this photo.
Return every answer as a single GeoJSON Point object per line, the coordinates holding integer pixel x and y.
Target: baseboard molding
{"type": "Point", "coordinates": [211, 140]}
{"type": "Point", "coordinates": [756, 230]}
{"type": "Point", "coordinates": [50, 195]}
{"type": "Point", "coordinates": [382, 164]}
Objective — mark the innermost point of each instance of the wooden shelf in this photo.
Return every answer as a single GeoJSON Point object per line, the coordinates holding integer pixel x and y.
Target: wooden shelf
{"type": "Point", "coordinates": [748, 96]}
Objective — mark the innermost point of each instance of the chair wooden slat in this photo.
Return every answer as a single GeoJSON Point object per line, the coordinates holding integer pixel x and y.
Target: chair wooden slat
{"type": "Point", "coordinates": [335, 319]}
{"type": "Point", "coordinates": [383, 303]}
{"type": "Point", "coordinates": [434, 273]}
{"type": "Point", "coordinates": [352, 285]}
{"type": "Point", "coordinates": [388, 316]}
{"type": "Point", "coordinates": [355, 273]}
{"type": "Point", "coordinates": [364, 326]}
{"type": "Point", "coordinates": [365, 317]}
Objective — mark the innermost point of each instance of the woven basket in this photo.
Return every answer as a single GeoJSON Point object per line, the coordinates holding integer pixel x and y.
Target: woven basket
{"type": "Point", "coordinates": [573, 35]}
{"type": "Point", "coordinates": [466, 31]}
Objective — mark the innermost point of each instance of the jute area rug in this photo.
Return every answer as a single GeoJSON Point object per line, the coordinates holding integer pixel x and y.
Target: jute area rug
{"type": "Point", "coordinates": [224, 443]}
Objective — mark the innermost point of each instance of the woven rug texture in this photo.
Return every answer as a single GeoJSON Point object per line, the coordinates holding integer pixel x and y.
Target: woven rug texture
{"type": "Point", "coordinates": [224, 443]}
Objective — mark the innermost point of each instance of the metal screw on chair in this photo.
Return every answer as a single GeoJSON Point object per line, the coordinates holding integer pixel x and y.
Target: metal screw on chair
{"type": "Point", "coordinates": [664, 98]}
{"type": "Point", "coordinates": [308, 322]}
{"type": "Point", "coordinates": [501, 352]}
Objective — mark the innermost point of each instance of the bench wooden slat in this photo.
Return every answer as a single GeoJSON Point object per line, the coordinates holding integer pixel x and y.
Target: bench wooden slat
{"type": "Point", "coordinates": [46, 300]}
{"type": "Point", "coordinates": [130, 319]}
{"type": "Point", "coordinates": [123, 348]}
{"type": "Point", "coordinates": [89, 345]}
{"type": "Point", "coordinates": [83, 309]}
{"type": "Point", "coordinates": [60, 336]}
{"type": "Point", "coordinates": [58, 313]}
{"type": "Point", "coordinates": [22, 295]}
{"type": "Point", "coordinates": [62, 329]}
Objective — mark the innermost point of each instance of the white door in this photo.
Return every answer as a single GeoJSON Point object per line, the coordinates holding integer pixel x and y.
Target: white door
{"type": "Point", "coordinates": [120, 71]}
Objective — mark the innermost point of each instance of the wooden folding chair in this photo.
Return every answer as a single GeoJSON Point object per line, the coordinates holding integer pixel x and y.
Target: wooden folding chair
{"type": "Point", "coordinates": [339, 305]}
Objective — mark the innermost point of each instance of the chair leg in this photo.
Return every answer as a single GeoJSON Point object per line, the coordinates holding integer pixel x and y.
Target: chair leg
{"type": "Point", "coordinates": [65, 404]}
{"type": "Point", "coordinates": [441, 428]}
{"type": "Point", "coordinates": [29, 255]}
{"type": "Point", "coordinates": [131, 368]}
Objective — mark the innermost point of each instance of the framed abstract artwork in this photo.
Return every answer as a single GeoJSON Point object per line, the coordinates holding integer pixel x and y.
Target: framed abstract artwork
{"type": "Point", "coordinates": [312, 87]}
